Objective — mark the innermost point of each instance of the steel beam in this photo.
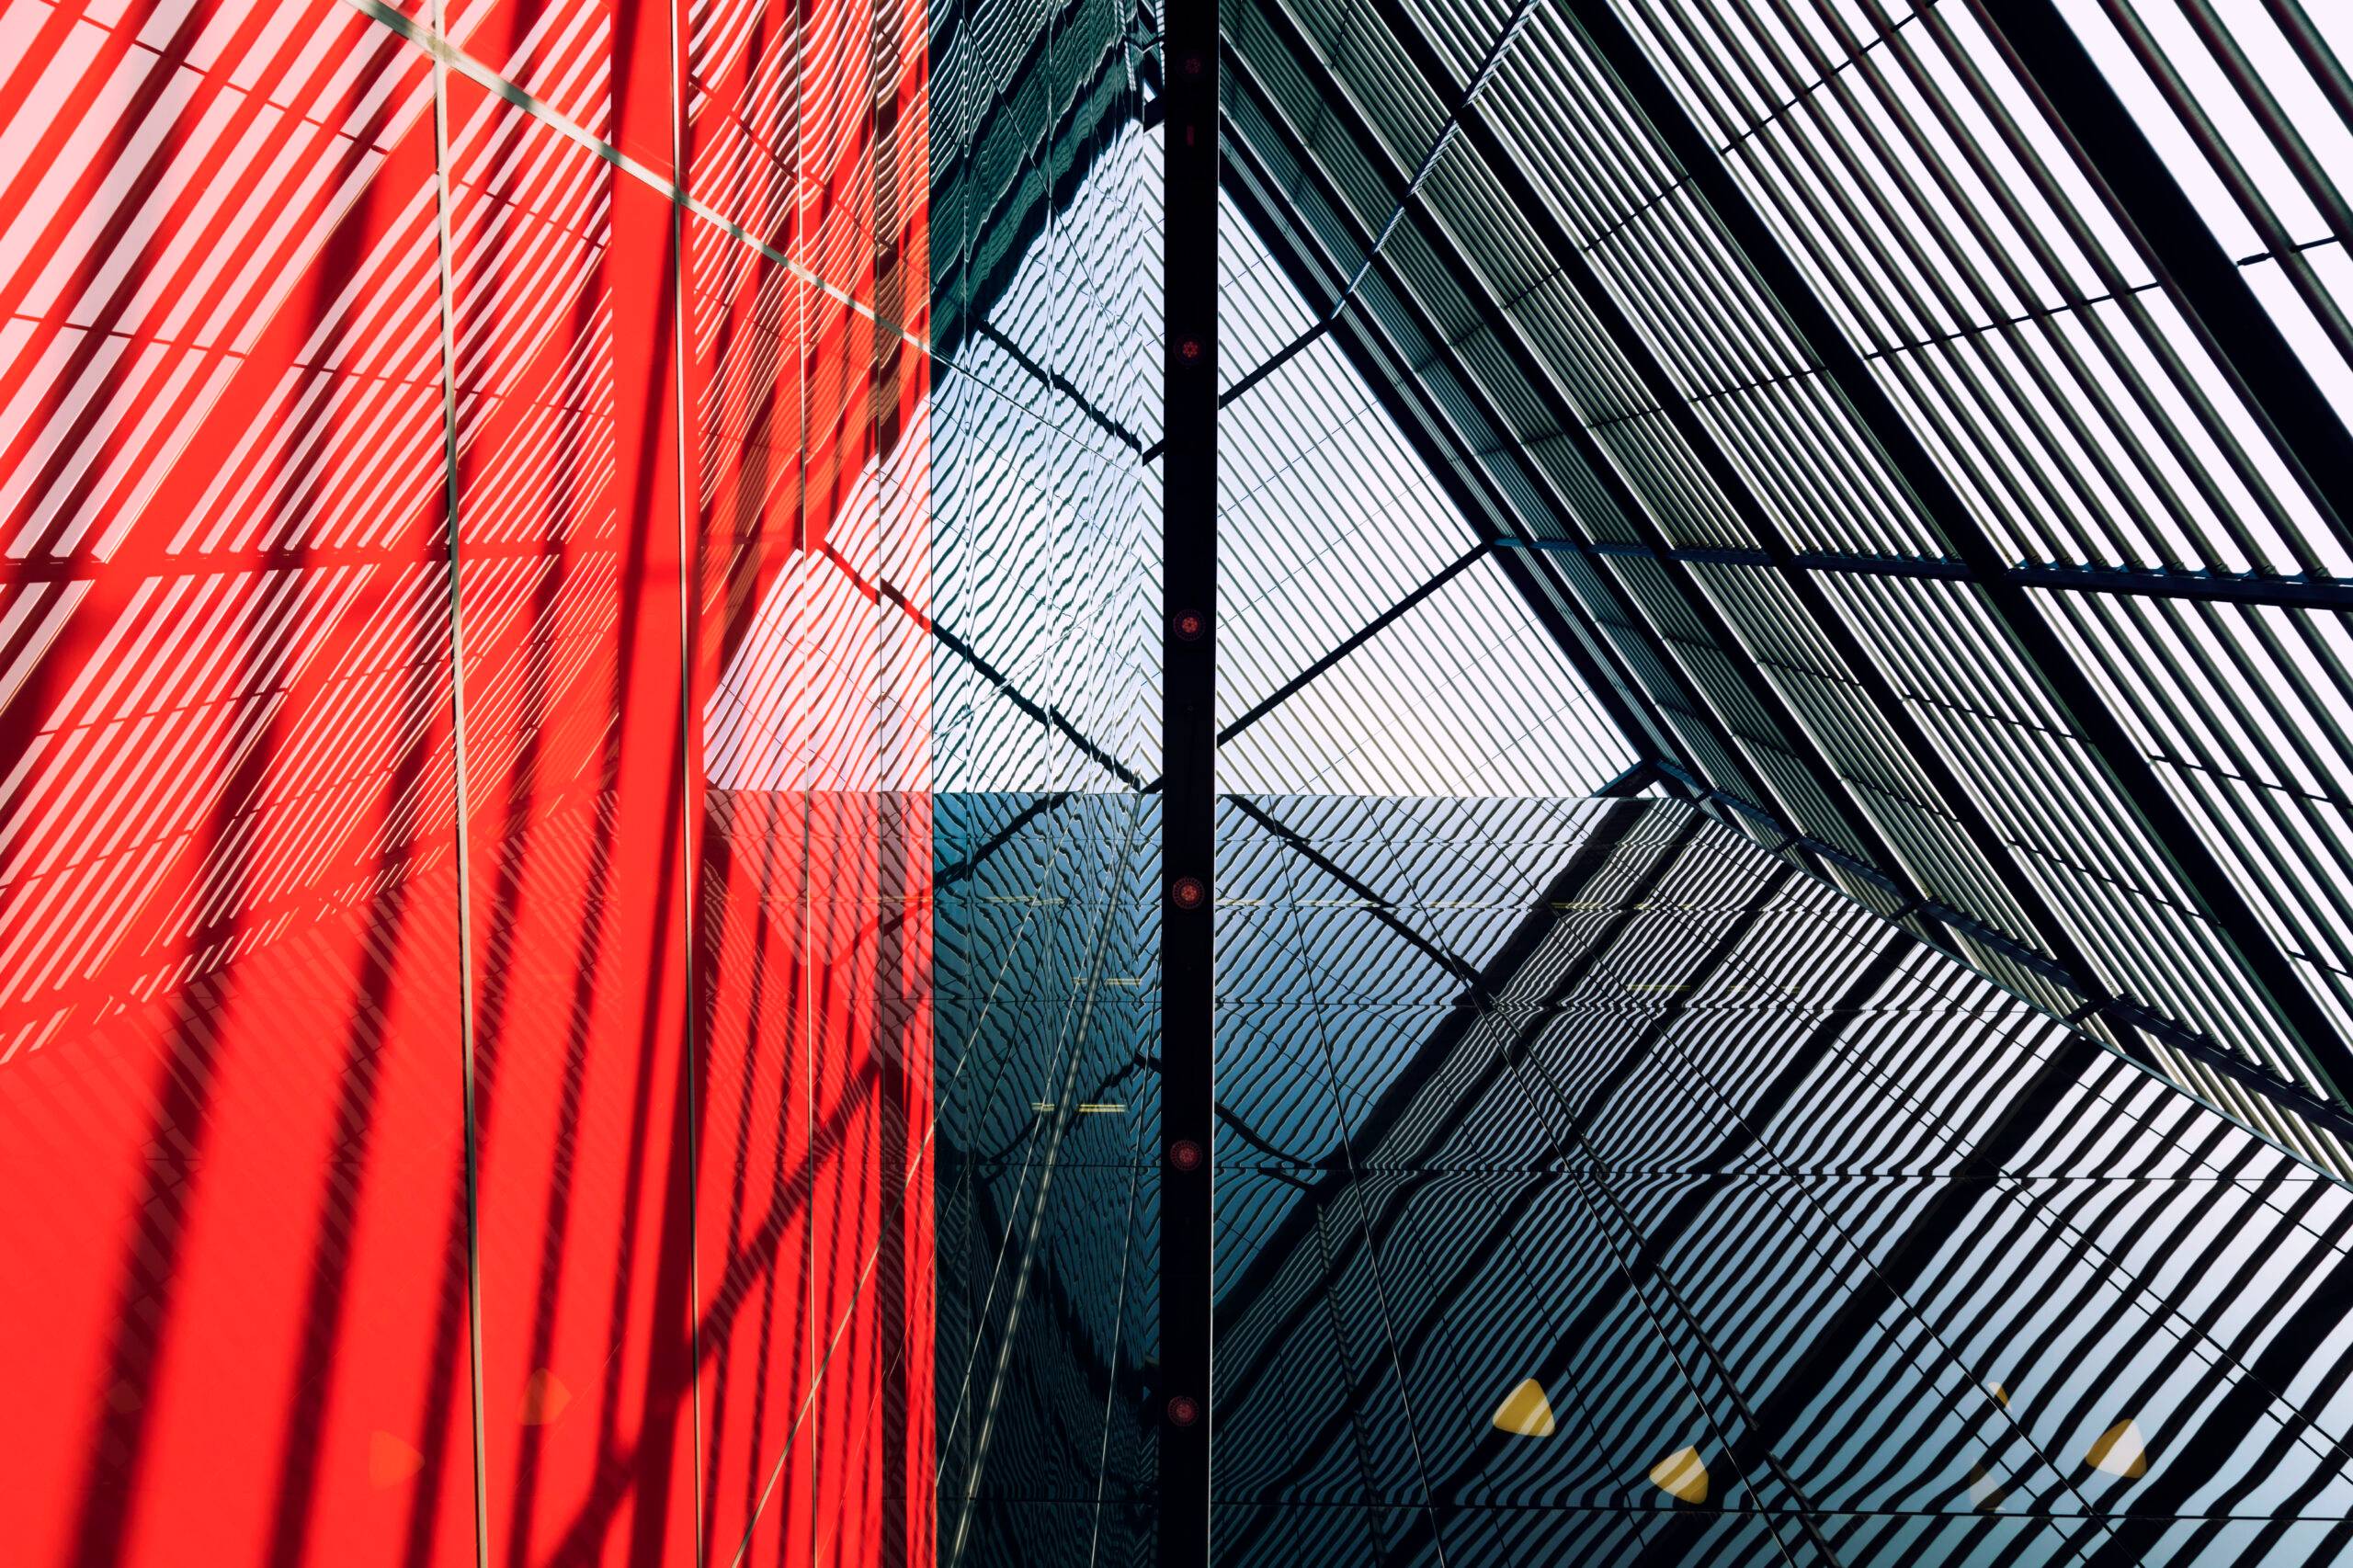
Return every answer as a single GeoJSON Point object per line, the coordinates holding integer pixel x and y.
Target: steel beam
{"type": "Point", "coordinates": [2213, 587]}
{"type": "Point", "coordinates": [1189, 774]}
{"type": "Point", "coordinates": [2203, 281]}
{"type": "Point", "coordinates": [2209, 588]}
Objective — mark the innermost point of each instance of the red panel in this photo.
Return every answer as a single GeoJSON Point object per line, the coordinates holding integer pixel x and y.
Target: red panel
{"type": "Point", "coordinates": [576, 774]}
{"type": "Point", "coordinates": [229, 1114]}
{"type": "Point", "coordinates": [257, 897]}
{"type": "Point", "coordinates": [814, 1236]}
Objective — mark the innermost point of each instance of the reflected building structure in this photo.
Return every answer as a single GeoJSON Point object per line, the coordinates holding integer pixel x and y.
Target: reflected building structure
{"type": "Point", "coordinates": [599, 777]}
{"type": "Point", "coordinates": [1597, 1189]}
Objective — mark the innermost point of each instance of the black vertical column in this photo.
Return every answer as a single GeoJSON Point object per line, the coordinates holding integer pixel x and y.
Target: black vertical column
{"type": "Point", "coordinates": [1188, 744]}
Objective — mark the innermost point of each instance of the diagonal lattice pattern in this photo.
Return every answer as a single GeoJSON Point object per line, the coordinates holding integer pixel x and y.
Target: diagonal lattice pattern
{"type": "Point", "coordinates": [1927, 425]}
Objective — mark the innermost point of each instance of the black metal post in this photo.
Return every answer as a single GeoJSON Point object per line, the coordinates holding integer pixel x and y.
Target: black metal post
{"type": "Point", "coordinates": [1188, 754]}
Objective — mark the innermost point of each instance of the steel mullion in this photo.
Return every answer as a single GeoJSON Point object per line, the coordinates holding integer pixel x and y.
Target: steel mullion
{"type": "Point", "coordinates": [2289, 594]}
{"type": "Point", "coordinates": [2328, 594]}
{"type": "Point", "coordinates": [1191, 632]}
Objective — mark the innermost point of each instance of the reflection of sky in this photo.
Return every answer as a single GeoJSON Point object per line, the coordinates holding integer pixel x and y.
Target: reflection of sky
{"type": "Point", "coordinates": [1047, 533]}
{"type": "Point", "coordinates": [1046, 528]}
{"type": "Point", "coordinates": [1327, 519]}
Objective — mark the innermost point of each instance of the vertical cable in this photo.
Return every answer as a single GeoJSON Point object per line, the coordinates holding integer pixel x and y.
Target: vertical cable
{"type": "Point", "coordinates": [458, 751]}
{"type": "Point", "coordinates": [689, 839]}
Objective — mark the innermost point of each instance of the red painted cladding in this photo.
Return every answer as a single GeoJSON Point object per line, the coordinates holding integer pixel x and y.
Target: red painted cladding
{"type": "Point", "coordinates": [630, 815]}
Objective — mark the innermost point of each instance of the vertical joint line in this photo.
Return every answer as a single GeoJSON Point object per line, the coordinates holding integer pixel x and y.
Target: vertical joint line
{"type": "Point", "coordinates": [448, 281]}
{"type": "Point", "coordinates": [688, 840]}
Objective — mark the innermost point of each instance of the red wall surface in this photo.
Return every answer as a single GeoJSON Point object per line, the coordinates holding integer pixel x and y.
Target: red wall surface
{"type": "Point", "coordinates": [465, 1050]}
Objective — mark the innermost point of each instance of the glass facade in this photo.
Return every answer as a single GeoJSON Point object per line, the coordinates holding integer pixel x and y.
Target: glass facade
{"type": "Point", "coordinates": [1046, 678]}
{"type": "Point", "coordinates": [1595, 1187]}
{"type": "Point", "coordinates": [1049, 1179]}
{"type": "Point", "coordinates": [1059, 781]}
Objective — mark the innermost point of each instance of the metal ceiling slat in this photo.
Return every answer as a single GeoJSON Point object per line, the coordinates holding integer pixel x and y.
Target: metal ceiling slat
{"type": "Point", "coordinates": [2230, 324]}
{"type": "Point", "coordinates": [1275, 22]}
{"type": "Point", "coordinates": [1727, 482]}
{"type": "Point", "coordinates": [2160, 816]}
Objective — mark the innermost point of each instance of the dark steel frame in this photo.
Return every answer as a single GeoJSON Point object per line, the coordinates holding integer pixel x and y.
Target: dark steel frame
{"type": "Point", "coordinates": [1189, 762]}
